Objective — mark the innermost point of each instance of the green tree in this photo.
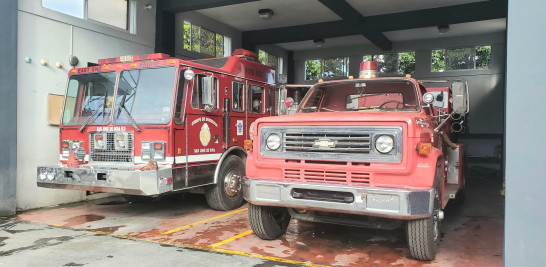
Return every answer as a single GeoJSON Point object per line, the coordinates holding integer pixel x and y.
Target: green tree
{"type": "Point", "coordinates": [219, 45]}
{"type": "Point", "coordinates": [195, 38]}
{"type": "Point", "coordinates": [312, 69]}
{"type": "Point", "coordinates": [335, 67]}
{"type": "Point", "coordinates": [406, 62]}
{"type": "Point", "coordinates": [187, 35]}
{"type": "Point", "coordinates": [483, 57]}
{"type": "Point", "coordinates": [460, 58]}
{"type": "Point", "coordinates": [438, 60]}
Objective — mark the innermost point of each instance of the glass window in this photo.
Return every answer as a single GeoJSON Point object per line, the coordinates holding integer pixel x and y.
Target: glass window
{"type": "Point", "coordinates": [206, 42]}
{"type": "Point", "coordinates": [70, 7]}
{"type": "Point", "coordinates": [483, 57]}
{"type": "Point", "coordinates": [398, 63]}
{"type": "Point", "coordinates": [406, 62]}
{"type": "Point", "coordinates": [145, 96]}
{"type": "Point", "coordinates": [326, 68]}
{"type": "Point", "coordinates": [180, 103]}
{"type": "Point", "coordinates": [270, 60]}
{"type": "Point", "coordinates": [438, 60]}
{"type": "Point", "coordinates": [238, 93]}
{"type": "Point", "coordinates": [375, 95]}
{"type": "Point", "coordinates": [89, 99]}
{"type": "Point", "coordinates": [255, 97]}
{"type": "Point", "coordinates": [187, 35]}
{"type": "Point", "coordinates": [200, 100]}
{"type": "Point", "coordinates": [466, 58]}
{"type": "Point", "coordinates": [111, 12]}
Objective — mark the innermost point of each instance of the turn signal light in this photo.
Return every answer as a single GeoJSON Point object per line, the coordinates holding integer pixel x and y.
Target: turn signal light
{"type": "Point", "coordinates": [158, 146]}
{"type": "Point", "coordinates": [424, 148]}
{"type": "Point", "coordinates": [65, 144]}
{"type": "Point", "coordinates": [247, 144]}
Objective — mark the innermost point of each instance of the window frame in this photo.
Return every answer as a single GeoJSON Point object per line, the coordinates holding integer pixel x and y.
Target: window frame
{"type": "Point", "coordinates": [225, 44]}
{"type": "Point", "coordinates": [346, 62]}
{"type": "Point", "coordinates": [475, 49]}
{"type": "Point", "coordinates": [241, 96]}
{"type": "Point", "coordinates": [250, 98]}
{"type": "Point", "coordinates": [196, 83]}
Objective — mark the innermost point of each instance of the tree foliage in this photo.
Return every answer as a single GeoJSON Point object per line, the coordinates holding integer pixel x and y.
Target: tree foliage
{"type": "Point", "coordinates": [313, 69]}
{"type": "Point", "coordinates": [438, 60]}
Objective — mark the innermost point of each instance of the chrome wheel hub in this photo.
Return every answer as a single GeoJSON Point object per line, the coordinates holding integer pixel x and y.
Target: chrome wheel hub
{"type": "Point", "coordinates": [232, 183]}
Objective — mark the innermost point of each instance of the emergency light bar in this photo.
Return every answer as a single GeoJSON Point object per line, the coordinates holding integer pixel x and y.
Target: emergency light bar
{"type": "Point", "coordinates": [130, 58]}
{"type": "Point", "coordinates": [245, 53]}
{"type": "Point", "coordinates": [368, 69]}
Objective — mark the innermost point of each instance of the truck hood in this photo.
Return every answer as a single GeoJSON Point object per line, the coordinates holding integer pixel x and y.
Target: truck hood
{"type": "Point", "coordinates": [321, 117]}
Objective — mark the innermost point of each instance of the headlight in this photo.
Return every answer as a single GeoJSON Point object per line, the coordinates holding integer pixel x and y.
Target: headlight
{"type": "Point", "coordinates": [251, 131]}
{"type": "Point", "coordinates": [273, 141]}
{"type": "Point", "coordinates": [384, 144]}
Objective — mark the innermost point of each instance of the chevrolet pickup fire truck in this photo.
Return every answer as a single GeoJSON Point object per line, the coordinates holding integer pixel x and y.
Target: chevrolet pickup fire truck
{"type": "Point", "coordinates": [371, 152]}
{"type": "Point", "coordinates": [148, 125]}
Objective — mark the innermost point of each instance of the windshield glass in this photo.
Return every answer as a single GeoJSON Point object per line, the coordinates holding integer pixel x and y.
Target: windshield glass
{"type": "Point", "coordinates": [89, 99]}
{"type": "Point", "coordinates": [145, 95]}
{"type": "Point", "coordinates": [361, 95]}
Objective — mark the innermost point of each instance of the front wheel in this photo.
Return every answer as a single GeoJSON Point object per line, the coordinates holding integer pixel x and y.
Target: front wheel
{"type": "Point", "coordinates": [268, 223]}
{"type": "Point", "coordinates": [227, 194]}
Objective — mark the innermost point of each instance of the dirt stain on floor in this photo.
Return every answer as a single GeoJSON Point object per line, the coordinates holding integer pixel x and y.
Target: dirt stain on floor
{"type": "Point", "coordinates": [81, 219]}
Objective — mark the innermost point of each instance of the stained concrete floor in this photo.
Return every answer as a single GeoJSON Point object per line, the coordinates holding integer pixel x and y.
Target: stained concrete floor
{"type": "Point", "coordinates": [183, 232]}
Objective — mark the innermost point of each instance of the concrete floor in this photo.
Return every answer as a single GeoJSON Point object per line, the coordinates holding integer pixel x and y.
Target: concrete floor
{"type": "Point", "coordinates": [182, 232]}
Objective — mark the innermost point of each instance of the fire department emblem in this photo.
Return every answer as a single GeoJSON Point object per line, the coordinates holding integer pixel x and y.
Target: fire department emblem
{"type": "Point", "coordinates": [204, 135]}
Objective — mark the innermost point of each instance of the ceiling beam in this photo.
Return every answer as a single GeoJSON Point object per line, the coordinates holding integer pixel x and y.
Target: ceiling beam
{"type": "Point", "coordinates": [351, 15]}
{"type": "Point", "coordinates": [492, 9]}
{"type": "Point", "coordinates": [176, 6]}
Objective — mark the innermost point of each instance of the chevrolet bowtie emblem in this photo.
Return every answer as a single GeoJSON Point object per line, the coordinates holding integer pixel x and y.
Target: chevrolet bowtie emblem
{"type": "Point", "coordinates": [324, 143]}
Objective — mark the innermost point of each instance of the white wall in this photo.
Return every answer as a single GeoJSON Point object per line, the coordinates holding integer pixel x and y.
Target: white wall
{"type": "Point", "coordinates": [46, 34]}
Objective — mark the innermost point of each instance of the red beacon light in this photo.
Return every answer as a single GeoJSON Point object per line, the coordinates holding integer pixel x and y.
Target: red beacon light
{"type": "Point", "coordinates": [131, 58]}
{"type": "Point", "coordinates": [239, 52]}
{"type": "Point", "coordinates": [368, 69]}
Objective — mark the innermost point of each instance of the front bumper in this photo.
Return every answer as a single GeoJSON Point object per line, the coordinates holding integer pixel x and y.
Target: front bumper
{"type": "Point", "coordinates": [379, 202]}
{"type": "Point", "coordinates": [113, 180]}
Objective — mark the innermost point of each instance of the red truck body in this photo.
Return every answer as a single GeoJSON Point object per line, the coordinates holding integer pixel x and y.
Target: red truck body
{"type": "Point", "coordinates": [372, 152]}
{"type": "Point", "coordinates": [150, 125]}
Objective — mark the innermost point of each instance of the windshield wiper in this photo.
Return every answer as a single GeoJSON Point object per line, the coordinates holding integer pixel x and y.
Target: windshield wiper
{"type": "Point", "coordinates": [91, 118]}
{"type": "Point", "coordinates": [131, 119]}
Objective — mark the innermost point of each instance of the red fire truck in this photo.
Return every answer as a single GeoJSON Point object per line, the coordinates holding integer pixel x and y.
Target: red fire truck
{"type": "Point", "coordinates": [371, 152]}
{"type": "Point", "coordinates": [148, 125]}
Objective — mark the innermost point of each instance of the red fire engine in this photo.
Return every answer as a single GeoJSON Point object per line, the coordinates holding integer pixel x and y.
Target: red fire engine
{"type": "Point", "coordinates": [149, 125]}
{"type": "Point", "coordinates": [371, 152]}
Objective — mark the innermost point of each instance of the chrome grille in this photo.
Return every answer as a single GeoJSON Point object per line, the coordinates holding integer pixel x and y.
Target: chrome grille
{"type": "Point", "coordinates": [331, 177]}
{"type": "Point", "coordinates": [327, 142]}
{"type": "Point", "coordinates": [111, 154]}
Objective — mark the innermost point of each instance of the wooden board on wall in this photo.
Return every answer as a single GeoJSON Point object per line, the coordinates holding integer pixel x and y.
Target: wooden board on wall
{"type": "Point", "coordinates": [55, 105]}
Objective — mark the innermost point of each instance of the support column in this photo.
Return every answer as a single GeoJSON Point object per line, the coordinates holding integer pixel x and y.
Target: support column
{"type": "Point", "coordinates": [8, 107]}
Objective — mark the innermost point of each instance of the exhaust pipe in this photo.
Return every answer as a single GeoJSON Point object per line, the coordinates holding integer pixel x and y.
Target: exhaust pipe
{"type": "Point", "coordinates": [456, 127]}
{"type": "Point", "coordinates": [456, 116]}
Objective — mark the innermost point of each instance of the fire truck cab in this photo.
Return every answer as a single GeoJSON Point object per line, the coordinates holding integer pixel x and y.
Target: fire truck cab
{"type": "Point", "coordinates": [149, 125]}
{"type": "Point", "coordinates": [371, 152]}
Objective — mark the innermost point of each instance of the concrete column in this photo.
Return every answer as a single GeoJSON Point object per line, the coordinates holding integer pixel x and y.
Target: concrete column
{"type": "Point", "coordinates": [525, 143]}
{"type": "Point", "coordinates": [8, 106]}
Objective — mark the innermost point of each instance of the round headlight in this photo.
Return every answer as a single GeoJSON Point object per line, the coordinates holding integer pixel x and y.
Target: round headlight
{"type": "Point", "coordinates": [273, 141]}
{"type": "Point", "coordinates": [384, 144]}
{"type": "Point", "coordinates": [188, 74]}
{"type": "Point", "coordinates": [428, 98]}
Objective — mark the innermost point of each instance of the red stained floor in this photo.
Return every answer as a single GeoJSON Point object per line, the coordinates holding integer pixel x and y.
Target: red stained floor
{"type": "Point", "coordinates": [472, 235]}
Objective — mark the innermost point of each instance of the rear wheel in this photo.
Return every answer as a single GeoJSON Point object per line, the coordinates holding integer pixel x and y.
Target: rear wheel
{"type": "Point", "coordinates": [424, 234]}
{"type": "Point", "coordinates": [268, 222]}
{"type": "Point", "coordinates": [227, 194]}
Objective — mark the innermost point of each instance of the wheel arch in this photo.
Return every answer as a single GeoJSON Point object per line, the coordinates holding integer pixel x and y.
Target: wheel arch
{"type": "Point", "coordinates": [234, 150]}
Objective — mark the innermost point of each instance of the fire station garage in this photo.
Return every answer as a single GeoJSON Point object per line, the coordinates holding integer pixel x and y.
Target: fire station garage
{"type": "Point", "coordinates": [272, 133]}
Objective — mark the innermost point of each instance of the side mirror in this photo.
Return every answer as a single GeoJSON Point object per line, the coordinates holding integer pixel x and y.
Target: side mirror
{"type": "Point", "coordinates": [460, 97]}
{"type": "Point", "coordinates": [207, 97]}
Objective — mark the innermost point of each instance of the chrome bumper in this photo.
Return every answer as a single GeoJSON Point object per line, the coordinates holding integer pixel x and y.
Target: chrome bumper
{"type": "Point", "coordinates": [379, 202]}
{"type": "Point", "coordinates": [118, 180]}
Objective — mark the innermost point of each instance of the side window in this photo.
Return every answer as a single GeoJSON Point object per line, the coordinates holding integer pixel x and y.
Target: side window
{"type": "Point", "coordinates": [255, 99]}
{"type": "Point", "coordinates": [204, 93]}
{"type": "Point", "coordinates": [237, 96]}
{"type": "Point", "coordinates": [180, 103]}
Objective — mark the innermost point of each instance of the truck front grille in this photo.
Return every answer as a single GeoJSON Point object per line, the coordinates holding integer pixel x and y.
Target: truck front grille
{"type": "Point", "coordinates": [358, 143]}
{"type": "Point", "coordinates": [331, 177]}
{"type": "Point", "coordinates": [110, 153]}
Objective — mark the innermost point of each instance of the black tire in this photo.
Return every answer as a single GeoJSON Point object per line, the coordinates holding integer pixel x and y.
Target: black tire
{"type": "Point", "coordinates": [268, 223]}
{"type": "Point", "coordinates": [137, 199]}
{"type": "Point", "coordinates": [227, 194]}
{"type": "Point", "coordinates": [424, 234]}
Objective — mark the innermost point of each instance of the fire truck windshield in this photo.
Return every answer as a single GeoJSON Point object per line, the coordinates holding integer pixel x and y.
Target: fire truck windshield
{"type": "Point", "coordinates": [89, 99]}
{"type": "Point", "coordinates": [145, 96]}
{"type": "Point", "coordinates": [362, 95]}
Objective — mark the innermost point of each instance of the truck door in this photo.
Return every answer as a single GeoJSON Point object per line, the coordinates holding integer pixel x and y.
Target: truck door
{"type": "Point", "coordinates": [204, 128]}
{"type": "Point", "coordinates": [179, 172]}
{"type": "Point", "coordinates": [238, 125]}
{"type": "Point", "coordinates": [256, 103]}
